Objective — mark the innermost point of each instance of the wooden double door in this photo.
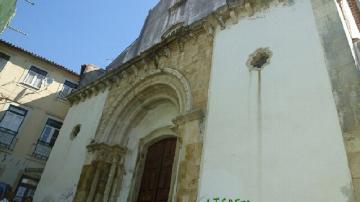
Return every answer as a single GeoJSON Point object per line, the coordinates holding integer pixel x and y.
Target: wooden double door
{"type": "Point", "coordinates": [156, 179]}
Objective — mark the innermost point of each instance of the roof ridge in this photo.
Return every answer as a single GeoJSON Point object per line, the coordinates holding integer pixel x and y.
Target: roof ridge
{"type": "Point", "coordinates": [59, 66]}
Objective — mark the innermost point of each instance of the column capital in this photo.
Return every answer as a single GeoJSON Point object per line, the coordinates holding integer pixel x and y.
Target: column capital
{"type": "Point", "coordinates": [103, 151]}
{"type": "Point", "coordinates": [197, 114]}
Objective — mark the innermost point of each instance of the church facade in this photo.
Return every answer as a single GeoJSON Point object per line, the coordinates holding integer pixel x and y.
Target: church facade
{"type": "Point", "coordinates": [218, 101]}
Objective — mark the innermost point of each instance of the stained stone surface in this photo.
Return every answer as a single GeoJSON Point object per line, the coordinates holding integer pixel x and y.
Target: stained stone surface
{"type": "Point", "coordinates": [345, 81]}
{"type": "Point", "coordinates": [160, 19]}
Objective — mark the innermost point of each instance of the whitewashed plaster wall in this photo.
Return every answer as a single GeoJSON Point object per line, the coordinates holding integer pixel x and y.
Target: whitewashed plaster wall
{"type": "Point", "coordinates": [62, 170]}
{"type": "Point", "coordinates": [159, 117]}
{"type": "Point", "coordinates": [278, 138]}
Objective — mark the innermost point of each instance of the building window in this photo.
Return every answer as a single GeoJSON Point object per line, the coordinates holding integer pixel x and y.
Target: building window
{"type": "Point", "coordinates": [259, 59]}
{"type": "Point", "coordinates": [10, 124]}
{"type": "Point", "coordinates": [75, 131]}
{"type": "Point", "coordinates": [3, 60]}
{"type": "Point", "coordinates": [26, 188]}
{"type": "Point", "coordinates": [35, 77]}
{"type": "Point", "coordinates": [67, 88]}
{"type": "Point", "coordinates": [47, 139]}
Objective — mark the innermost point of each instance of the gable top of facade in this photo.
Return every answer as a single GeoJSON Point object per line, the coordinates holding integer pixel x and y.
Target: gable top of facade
{"type": "Point", "coordinates": [168, 21]}
{"type": "Point", "coordinates": [20, 49]}
{"type": "Point", "coordinates": [162, 18]}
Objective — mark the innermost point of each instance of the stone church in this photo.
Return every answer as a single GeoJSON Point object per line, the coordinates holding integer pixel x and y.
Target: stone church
{"type": "Point", "coordinates": [219, 100]}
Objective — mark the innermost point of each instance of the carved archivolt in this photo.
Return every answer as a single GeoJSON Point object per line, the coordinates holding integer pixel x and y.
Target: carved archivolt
{"type": "Point", "coordinates": [142, 92]}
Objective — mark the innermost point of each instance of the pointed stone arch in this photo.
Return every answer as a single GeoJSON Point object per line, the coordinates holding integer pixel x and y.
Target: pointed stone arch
{"type": "Point", "coordinates": [103, 173]}
{"type": "Point", "coordinates": [156, 86]}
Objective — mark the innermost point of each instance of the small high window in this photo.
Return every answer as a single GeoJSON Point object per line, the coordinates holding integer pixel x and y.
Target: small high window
{"type": "Point", "coordinates": [10, 124]}
{"type": "Point", "coordinates": [259, 59]}
{"type": "Point", "coordinates": [75, 131]}
{"type": "Point", "coordinates": [35, 77]}
{"type": "Point", "coordinates": [3, 60]}
{"type": "Point", "coordinates": [67, 88]}
{"type": "Point", "coordinates": [47, 138]}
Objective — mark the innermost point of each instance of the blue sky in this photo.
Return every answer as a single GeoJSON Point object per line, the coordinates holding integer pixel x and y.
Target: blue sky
{"type": "Point", "coordinates": [76, 32]}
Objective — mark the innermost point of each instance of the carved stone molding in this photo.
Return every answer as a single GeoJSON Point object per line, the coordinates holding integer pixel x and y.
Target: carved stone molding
{"type": "Point", "coordinates": [173, 30]}
{"type": "Point", "coordinates": [222, 17]}
{"type": "Point", "coordinates": [104, 152]}
{"type": "Point", "coordinates": [197, 114]}
{"type": "Point", "coordinates": [101, 179]}
{"type": "Point", "coordinates": [148, 86]}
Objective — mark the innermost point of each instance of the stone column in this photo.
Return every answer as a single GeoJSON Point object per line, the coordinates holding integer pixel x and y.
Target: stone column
{"type": "Point", "coordinates": [110, 180]}
{"type": "Point", "coordinates": [94, 184]}
{"type": "Point", "coordinates": [115, 190]}
{"type": "Point", "coordinates": [85, 182]}
{"type": "Point", "coordinates": [189, 128]}
{"type": "Point", "coordinates": [115, 171]}
{"type": "Point", "coordinates": [97, 179]}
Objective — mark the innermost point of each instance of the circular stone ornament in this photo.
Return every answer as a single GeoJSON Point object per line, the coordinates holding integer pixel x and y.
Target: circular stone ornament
{"type": "Point", "coordinates": [259, 59]}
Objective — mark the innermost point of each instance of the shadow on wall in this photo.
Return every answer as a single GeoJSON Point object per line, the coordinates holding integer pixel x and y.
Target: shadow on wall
{"type": "Point", "coordinates": [29, 127]}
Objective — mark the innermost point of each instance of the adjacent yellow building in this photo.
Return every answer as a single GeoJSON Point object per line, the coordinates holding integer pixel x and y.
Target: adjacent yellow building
{"type": "Point", "coordinates": [33, 107]}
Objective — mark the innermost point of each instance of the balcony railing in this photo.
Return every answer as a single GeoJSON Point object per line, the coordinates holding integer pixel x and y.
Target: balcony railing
{"type": "Point", "coordinates": [42, 150]}
{"type": "Point", "coordinates": [7, 138]}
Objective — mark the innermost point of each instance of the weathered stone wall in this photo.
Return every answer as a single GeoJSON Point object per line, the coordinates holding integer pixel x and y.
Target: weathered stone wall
{"type": "Point", "coordinates": [345, 81]}
{"type": "Point", "coordinates": [191, 57]}
{"type": "Point", "coordinates": [177, 71]}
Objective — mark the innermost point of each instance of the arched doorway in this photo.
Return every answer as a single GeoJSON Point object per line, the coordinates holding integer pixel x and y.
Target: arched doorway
{"type": "Point", "coordinates": [156, 178]}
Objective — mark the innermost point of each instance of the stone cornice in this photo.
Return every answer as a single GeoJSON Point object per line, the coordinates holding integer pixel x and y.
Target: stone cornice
{"type": "Point", "coordinates": [147, 58]}
{"type": "Point", "coordinates": [222, 17]}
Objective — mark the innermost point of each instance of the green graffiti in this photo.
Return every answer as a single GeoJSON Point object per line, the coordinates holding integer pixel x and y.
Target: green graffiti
{"type": "Point", "coordinates": [220, 199]}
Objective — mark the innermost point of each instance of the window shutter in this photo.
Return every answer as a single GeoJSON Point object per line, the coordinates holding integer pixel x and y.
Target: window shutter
{"type": "Point", "coordinates": [38, 80]}
{"type": "Point", "coordinates": [54, 137]}
{"type": "Point", "coordinates": [50, 132]}
{"type": "Point", "coordinates": [16, 123]}
{"type": "Point", "coordinates": [11, 121]}
{"type": "Point", "coordinates": [46, 134]}
{"type": "Point", "coordinates": [29, 77]}
{"type": "Point", "coordinates": [7, 119]}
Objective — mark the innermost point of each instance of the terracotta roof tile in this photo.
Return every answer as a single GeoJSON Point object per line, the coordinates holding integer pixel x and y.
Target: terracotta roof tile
{"type": "Point", "coordinates": [61, 67]}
